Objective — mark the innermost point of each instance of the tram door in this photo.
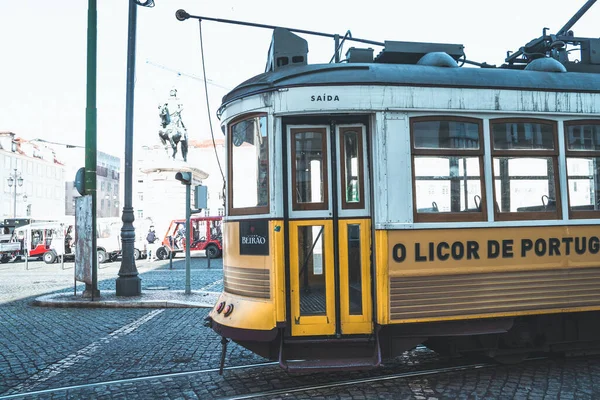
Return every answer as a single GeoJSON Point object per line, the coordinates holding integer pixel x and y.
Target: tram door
{"type": "Point", "coordinates": [329, 230]}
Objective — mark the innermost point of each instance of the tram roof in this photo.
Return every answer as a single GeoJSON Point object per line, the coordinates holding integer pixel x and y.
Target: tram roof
{"type": "Point", "coordinates": [414, 75]}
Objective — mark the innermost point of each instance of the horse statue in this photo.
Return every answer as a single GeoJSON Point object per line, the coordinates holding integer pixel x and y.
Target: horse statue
{"type": "Point", "coordinates": [172, 131]}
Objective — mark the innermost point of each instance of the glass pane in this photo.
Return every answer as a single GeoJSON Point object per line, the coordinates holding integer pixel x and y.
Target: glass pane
{"type": "Point", "coordinates": [445, 135]}
{"type": "Point", "coordinates": [583, 175]}
{"type": "Point", "coordinates": [250, 163]}
{"type": "Point", "coordinates": [523, 136]}
{"type": "Point", "coordinates": [309, 179]}
{"type": "Point", "coordinates": [447, 184]}
{"type": "Point", "coordinates": [524, 184]}
{"type": "Point", "coordinates": [354, 270]}
{"type": "Point", "coordinates": [351, 166]}
{"type": "Point", "coordinates": [311, 252]}
{"type": "Point", "coordinates": [583, 137]}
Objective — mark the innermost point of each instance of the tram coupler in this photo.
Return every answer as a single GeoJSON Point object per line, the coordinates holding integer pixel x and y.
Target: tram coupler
{"type": "Point", "coordinates": [207, 322]}
{"type": "Point", "coordinates": [224, 342]}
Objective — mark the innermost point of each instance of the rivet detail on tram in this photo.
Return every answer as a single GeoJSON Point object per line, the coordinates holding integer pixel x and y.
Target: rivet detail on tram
{"type": "Point", "coordinates": [228, 310]}
{"type": "Point", "coordinates": [220, 307]}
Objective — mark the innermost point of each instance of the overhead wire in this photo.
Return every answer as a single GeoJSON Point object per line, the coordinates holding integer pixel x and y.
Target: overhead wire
{"type": "Point", "coordinates": [212, 135]}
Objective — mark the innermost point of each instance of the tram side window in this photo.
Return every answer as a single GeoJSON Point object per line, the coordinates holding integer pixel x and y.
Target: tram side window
{"type": "Point", "coordinates": [525, 162]}
{"type": "Point", "coordinates": [582, 140]}
{"type": "Point", "coordinates": [448, 169]}
{"type": "Point", "coordinates": [249, 166]}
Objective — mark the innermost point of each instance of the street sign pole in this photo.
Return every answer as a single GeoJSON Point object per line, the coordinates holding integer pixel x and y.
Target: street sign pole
{"type": "Point", "coordinates": [188, 229]}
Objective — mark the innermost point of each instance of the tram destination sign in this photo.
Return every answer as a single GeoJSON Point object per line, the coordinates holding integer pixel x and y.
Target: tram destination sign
{"type": "Point", "coordinates": [254, 237]}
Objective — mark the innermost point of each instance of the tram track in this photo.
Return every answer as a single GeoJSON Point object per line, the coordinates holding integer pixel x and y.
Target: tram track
{"type": "Point", "coordinates": [264, 394]}
{"type": "Point", "coordinates": [131, 380]}
{"type": "Point", "coordinates": [359, 381]}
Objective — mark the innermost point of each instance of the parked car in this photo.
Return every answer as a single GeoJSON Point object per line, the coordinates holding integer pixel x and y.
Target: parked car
{"type": "Point", "coordinates": [206, 235]}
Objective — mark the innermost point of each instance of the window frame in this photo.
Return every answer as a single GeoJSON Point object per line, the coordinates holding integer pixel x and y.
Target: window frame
{"type": "Point", "coordinates": [230, 172]}
{"type": "Point", "coordinates": [359, 129]}
{"type": "Point", "coordinates": [323, 205]}
{"type": "Point", "coordinates": [575, 214]}
{"type": "Point", "coordinates": [460, 216]}
{"type": "Point", "coordinates": [526, 153]}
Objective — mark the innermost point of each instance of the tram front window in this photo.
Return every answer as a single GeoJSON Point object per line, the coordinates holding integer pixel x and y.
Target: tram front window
{"type": "Point", "coordinates": [309, 169]}
{"type": "Point", "coordinates": [249, 172]}
{"type": "Point", "coordinates": [525, 169]}
{"type": "Point", "coordinates": [447, 167]}
{"type": "Point", "coordinates": [582, 140]}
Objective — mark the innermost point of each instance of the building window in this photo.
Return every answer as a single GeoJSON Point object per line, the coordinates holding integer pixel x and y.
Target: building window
{"type": "Point", "coordinates": [249, 166]}
{"type": "Point", "coordinates": [582, 142]}
{"type": "Point", "coordinates": [140, 214]}
{"type": "Point", "coordinates": [525, 154]}
{"type": "Point", "coordinates": [447, 169]}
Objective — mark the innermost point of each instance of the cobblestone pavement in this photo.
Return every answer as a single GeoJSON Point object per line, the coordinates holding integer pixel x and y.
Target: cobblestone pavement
{"type": "Point", "coordinates": [43, 348]}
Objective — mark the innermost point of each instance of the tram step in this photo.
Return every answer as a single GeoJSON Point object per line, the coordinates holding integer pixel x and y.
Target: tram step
{"type": "Point", "coordinates": [348, 354]}
{"type": "Point", "coordinates": [339, 364]}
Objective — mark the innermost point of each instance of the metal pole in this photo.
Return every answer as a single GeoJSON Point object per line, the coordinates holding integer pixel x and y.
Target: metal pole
{"type": "Point", "coordinates": [90, 139]}
{"type": "Point", "coordinates": [188, 213]}
{"type": "Point", "coordinates": [128, 282]}
{"type": "Point", "coordinates": [15, 197]}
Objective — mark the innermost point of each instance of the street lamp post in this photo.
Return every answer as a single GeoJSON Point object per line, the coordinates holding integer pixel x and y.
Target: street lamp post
{"type": "Point", "coordinates": [129, 283]}
{"type": "Point", "coordinates": [15, 180]}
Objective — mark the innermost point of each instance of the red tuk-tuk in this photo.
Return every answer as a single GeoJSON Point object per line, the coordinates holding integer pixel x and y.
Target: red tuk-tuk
{"type": "Point", "coordinates": [206, 235]}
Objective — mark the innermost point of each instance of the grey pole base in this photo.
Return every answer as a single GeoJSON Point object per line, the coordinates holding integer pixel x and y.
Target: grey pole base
{"type": "Point", "coordinates": [89, 293]}
{"type": "Point", "coordinates": [129, 286]}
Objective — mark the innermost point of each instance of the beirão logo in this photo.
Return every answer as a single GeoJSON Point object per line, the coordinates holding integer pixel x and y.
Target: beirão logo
{"type": "Point", "coordinates": [254, 239]}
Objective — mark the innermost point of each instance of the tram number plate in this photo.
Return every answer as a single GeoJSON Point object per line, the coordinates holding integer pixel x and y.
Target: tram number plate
{"type": "Point", "coordinates": [254, 237]}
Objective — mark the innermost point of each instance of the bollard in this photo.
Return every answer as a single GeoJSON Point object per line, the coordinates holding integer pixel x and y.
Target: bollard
{"type": "Point", "coordinates": [207, 256]}
{"type": "Point", "coordinates": [171, 259]}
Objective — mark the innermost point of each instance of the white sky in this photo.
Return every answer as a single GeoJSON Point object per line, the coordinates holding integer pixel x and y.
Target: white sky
{"type": "Point", "coordinates": [43, 52]}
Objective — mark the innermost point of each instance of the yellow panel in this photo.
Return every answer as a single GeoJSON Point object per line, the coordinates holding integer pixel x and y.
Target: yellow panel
{"type": "Point", "coordinates": [382, 277]}
{"type": "Point", "coordinates": [278, 281]}
{"type": "Point", "coordinates": [273, 264]}
{"type": "Point", "coordinates": [355, 324]}
{"type": "Point", "coordinates": [312, 325]}
{"type": "Point", "coordinates": [460, 251]}
{"type": "Point", "coordinates": [247, 313]}
{"type": "Point", "coordinates": [437, 275]}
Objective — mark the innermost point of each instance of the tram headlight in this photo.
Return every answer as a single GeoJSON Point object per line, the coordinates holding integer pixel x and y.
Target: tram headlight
{"type": "Point", "coordinates": [220, 307]}
{"type": "Point", "coordinates": [228, 310]}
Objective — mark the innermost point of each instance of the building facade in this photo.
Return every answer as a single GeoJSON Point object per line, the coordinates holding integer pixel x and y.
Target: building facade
{"type": "Point", "coordinates": [32, 179]}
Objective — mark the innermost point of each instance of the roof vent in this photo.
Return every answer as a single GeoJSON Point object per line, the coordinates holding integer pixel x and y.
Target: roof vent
{"type": "Point", "coordinates": [411, 52]}
{"type": "Point", "coordinates": [286, 50]}
{"type": "Point", "coordinates": [545, 65]}
{"type": "Point", "coordinates": [438, 59]}
{"type": "Point", "coordinates": [357, 55]}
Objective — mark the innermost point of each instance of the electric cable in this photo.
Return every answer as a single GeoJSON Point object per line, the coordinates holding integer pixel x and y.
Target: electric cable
{"type": "Point", "coordinates": [212, 135]}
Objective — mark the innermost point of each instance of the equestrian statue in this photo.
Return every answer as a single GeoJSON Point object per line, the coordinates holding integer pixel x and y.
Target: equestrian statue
{"type": "Point", "coordinates": [173, 131]}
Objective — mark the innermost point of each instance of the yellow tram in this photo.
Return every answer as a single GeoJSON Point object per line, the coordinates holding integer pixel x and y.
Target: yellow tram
{"type": "Point", "coordinates": [391, 200]}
